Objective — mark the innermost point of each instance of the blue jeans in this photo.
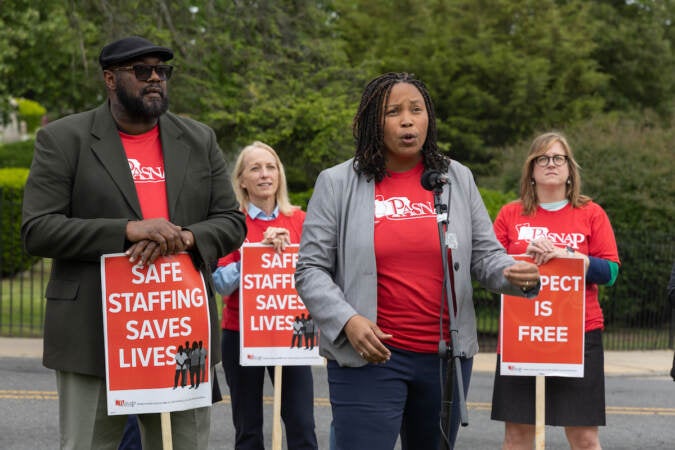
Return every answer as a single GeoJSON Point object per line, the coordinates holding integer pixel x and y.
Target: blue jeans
{"type": "Point", "coordinates": [373, 404]}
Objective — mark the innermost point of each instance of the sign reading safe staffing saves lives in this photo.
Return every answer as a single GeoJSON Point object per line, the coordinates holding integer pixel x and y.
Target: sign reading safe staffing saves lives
{"type": "Point", "coordinates": [275, 326]}
{"type": "Point", "coordinates": [150, 313]}
{"type": "Point", "coordinates": [545, 335]}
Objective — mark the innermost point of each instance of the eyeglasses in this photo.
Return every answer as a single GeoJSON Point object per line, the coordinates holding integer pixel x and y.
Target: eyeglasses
{"type": "Point", "coordinates": [143, 72]}
{"type": "Point", "coordinates": [545, 160]}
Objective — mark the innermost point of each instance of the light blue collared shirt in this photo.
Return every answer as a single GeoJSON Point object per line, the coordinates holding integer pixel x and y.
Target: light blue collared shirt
{"type": "Point", "coordinates": [226, 278]}
{"type": "Point", "coordinates": [256, 213]}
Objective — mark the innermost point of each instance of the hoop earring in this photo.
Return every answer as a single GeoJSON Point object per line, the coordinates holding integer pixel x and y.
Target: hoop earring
{"type": "Point", "coordinates": [569, 181]}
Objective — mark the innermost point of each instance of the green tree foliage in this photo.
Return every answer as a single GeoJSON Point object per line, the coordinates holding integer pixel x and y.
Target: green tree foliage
{"type": "Point", "coordinates": [634, 41]}
{"type": "Point", "coordinates": [494, 200]}
{"type": "Point", "coordinates": [17, 154]}
{"type": "Point", "coordinates": [268, 71]}
{"type": "Point", "coordinates": [291, 71]}
{"type": "Point", "coordinates": [31, 112]}
{"type": "Point", "coordinates": [46, 55]}
{"type": "Point", "coordinates": [12, 258]}
{"type": "Point", "coordinates": [497, 68]}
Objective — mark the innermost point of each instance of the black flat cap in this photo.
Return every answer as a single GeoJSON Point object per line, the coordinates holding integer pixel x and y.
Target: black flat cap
{"type": "Point", "coordinates": [130, 48]}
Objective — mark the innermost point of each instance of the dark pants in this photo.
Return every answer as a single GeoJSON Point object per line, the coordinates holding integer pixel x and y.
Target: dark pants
{"type": "Point", "coordinates": [296, 340]}
{"type": "Point", "coordinates": [246, 392]}
{"type": "Point", "coordinates": [131, 439]}
{"type": "Point", "coordinates": [182, 374]}
{"type": "Point", "coordinates": [372, 404]}
{"type": "Point", "coordinates": [194, 376]}
{"type": "Point", "coordinates": [309, 341]}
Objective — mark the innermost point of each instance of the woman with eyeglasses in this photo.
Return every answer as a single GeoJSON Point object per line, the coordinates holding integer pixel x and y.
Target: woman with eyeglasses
{"type": "Point", "coordinates": [553, 219]}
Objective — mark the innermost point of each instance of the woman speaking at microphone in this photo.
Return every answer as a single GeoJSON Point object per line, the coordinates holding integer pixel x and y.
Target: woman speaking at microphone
{"type": "Point", "coordinates": [371, 275]}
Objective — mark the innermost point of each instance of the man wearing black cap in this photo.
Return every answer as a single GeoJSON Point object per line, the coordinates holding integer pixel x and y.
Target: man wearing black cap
{"type": "Point", "coordinates": [128, 177]}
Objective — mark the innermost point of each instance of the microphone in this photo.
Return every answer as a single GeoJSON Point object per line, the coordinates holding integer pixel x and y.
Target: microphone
{"type": "Point", "coordinates": [433, 179]}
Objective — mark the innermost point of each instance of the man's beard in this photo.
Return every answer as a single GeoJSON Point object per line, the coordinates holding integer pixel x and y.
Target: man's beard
{"type": "Point", "coordinates": [138, 109]}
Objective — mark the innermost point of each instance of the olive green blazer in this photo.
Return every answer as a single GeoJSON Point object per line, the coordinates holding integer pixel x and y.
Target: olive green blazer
{"type": "Point", "coordinates": [78, 199]}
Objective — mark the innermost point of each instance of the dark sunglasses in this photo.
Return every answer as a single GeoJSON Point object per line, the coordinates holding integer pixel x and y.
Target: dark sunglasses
{"type": "Point", "coordinates": [143, 72]}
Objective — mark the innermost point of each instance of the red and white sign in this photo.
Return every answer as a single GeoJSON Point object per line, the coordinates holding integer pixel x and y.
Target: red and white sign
{"type": "Point", "coordinates": [545, 335]}
{"type": "Point", "coordinates": [275, 326]}
{"type": "Point", "coordinates": [149, 313]}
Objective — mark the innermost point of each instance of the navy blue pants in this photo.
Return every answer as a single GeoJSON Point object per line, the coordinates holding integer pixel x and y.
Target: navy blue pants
{"type": "Point", "coordinates": [246, 392]}
{"type": "Point", "coordinates": [131, 439]}
{"type": "Point", "coordinates": [372, 404]}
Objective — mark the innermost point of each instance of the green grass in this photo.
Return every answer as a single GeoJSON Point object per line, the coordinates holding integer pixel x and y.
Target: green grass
{"type": "Point", "coordinates": [22, 301]}
{"type": "Point", "coordinates": [636, 339]}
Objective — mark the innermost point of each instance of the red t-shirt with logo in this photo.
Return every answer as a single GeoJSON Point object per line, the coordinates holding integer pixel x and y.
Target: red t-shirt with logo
{"type": "Point", "coordinates": [256, 229]}
{"type": "Point", "coordinates": [146, 162]}
{"type": "Point", "coordinates": [409, 265]}
{"type": "Point", "coordinates": [586, 229]}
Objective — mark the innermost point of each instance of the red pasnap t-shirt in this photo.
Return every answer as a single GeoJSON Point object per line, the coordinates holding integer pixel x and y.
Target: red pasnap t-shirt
{"type": "Point", "coordinates": [256, 229]}
{"type": "Point", "coordinates": [586, 229]}
{"type": "Point", "coordinates": [146, 162]}
{"type": "Point", "coordinates": [409, 264]}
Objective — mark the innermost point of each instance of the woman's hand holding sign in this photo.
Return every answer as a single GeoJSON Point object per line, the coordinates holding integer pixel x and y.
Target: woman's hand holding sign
{"type": "Point", "coordinates": [279, 238]}
{"type": "Point", "coordinates": [543, 250]}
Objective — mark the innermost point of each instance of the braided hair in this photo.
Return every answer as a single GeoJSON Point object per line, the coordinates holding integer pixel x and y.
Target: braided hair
{"type": "Point", "coordinates": [368, 128]}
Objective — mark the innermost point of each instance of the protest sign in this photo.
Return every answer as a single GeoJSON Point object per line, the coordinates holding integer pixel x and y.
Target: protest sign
{"type": "Point", "coordinates": [275, 326]}
{"type": "Point", "coordinates": [150, 313]}
{"type": "Point", "coordinates": [545, 335]}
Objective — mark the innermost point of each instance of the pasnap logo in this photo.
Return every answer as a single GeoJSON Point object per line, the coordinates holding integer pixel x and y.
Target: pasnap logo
{"type": "Point", "coordinates": [401, 208]}
{"type": "Point", "coordinates": [143, 174]}
{"type": "Point", "coordinates": [528, 233]}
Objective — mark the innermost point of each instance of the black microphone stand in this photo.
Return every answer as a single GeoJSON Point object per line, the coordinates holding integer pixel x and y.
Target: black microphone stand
{"type": "Point", "coordinates": [449, 352]}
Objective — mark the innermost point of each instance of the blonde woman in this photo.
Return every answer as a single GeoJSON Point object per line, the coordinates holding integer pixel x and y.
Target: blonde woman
{"type": "Point", "coordinates": [259, 183]}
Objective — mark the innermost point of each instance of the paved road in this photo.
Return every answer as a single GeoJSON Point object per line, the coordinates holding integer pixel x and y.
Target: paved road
{"type": "Point", "coordinates": [641, 409]}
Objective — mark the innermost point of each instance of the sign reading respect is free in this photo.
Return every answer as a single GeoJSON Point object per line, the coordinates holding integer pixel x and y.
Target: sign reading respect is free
{"type": "Point", "coordinates": [545, 335]}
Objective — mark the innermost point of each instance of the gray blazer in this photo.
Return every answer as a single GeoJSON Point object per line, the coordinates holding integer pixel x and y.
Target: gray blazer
{"type": "Point", "coordinates": [78, 199]}
{"type": "Point", "coordinates": [336, 275]}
